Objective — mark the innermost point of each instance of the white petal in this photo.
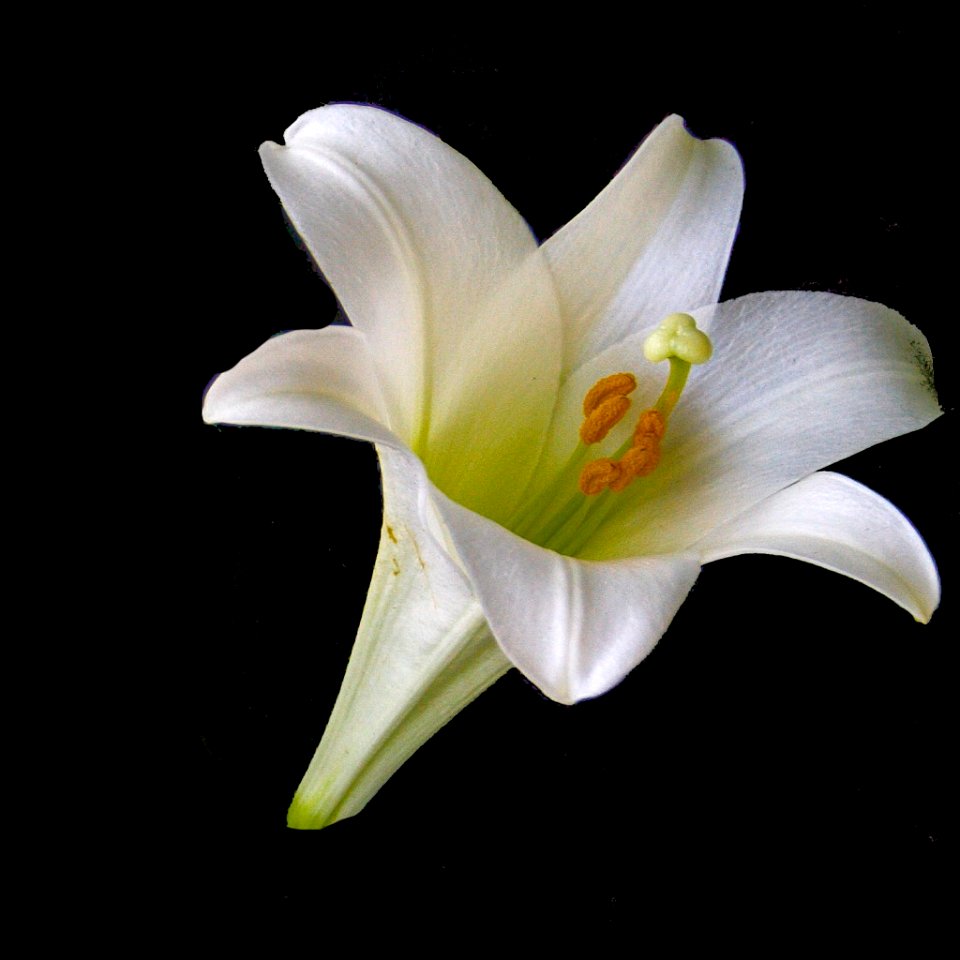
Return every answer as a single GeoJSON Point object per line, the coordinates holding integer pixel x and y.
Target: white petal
{"type": "Point", "coordinates": [574, 628]}
{"type": "Point", "coordinates": [430, 261]}
{"type": "Point", "coordinates": [797, 381]}
{"type": "Point", "coordinates": [654, 242]}
{"type": "Point", "coordinates": [422, 653]}
{"type": "Point", "coordinates": [321, 380]}
{"type": "Point", "coordinates": [834, 522]}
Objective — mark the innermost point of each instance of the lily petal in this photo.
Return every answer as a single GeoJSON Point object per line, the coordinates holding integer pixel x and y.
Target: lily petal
{"type": "Point", "coordinates": [422, 653]}
{"type": "Point", "coordinates": [321, 380]}
{"type": "Point", "coordinates": [834, 522]}
{"type": "Point", "coordinates": [575, 628]}
{"type": "Point", "coordinates": [655, 241]}
{"type": "Point", "coordinates": [446, 280]}
{"type": "Point", "coordinates": [797, 381]}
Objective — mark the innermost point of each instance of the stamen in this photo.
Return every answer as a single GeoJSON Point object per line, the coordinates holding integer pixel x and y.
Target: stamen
{"type": "Point", "coordinates": [650, 424]}
{"type": "Point", "coordinates": [597, 475]}
{"type": "Point", "coordinates": [603, 419]}
{"type": "Point", "coordinates": [605, 404]}
{"type": "Point", "coordinates": [616, 385]}
{"type": "Point", "coordinates": [676, 339]}
{"type": "Point", "coordinates": [639, 461]}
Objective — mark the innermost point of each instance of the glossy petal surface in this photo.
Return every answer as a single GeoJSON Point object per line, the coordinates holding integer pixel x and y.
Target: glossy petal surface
{"type": "Point", "coordinates": [797, 381]}
{"type": "Point", "coordinates": [446, 281]}
{"type": "Point", "coordinates": [655, 241]}
{"type": "Point", "coordinates": [575, 628]}
{"type": "Point", "coordinates": [837, 523]}
{"type": "Point", "coordinates": [321, 380]}
{"type": "Point", "coordinates": [469, 358]}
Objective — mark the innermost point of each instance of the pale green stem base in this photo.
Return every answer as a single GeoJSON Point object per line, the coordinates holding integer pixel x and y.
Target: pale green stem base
{"type": "Point", "coordinates": [423, 652]}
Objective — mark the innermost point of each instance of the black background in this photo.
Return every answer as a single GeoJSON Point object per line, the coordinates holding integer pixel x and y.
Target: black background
{"type": "Point", "coordinates": [782, 757]}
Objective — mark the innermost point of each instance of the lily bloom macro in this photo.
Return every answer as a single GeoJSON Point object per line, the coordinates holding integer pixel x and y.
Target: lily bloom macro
{"type": "Point", "coordinates": [567, 432]}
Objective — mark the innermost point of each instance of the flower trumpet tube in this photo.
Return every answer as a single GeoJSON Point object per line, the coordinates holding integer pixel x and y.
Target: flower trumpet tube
{"type": "Point", "coordinates": [567, 432]}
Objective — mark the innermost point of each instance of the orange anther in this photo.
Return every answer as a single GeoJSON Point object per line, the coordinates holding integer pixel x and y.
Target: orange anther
{"type": "Point", "coordinates": [650, 424]}
{"type": "Point", "coordinates": [642, 458]}
{"type": "Point", "coordinates": [616, 385]}
{"type": "Point", "coordinates": [597, 475]}
{"type": "Point", "coordinates": [622, 481]}
{"type": "Point", "coordinates": [604, 406]}
{"type": "Point", "coordinates": [603, 418]}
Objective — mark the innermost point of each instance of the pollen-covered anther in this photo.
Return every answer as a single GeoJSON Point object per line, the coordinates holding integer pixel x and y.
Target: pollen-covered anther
{"type": "Point", "coordinates": [650, 424]}
{"type": "Point", "coordinates": [603, 418]}
{"type": "Point", "coordinates": [597, 475]}
{"type": "Point", "coordinates": [639, 461]}
{"type": "Point", "coordinates": [616, 385]}
{"type": "Point", "coordinates": [643, 457]}
{"type": "Point", "coordinates": [605, 404]}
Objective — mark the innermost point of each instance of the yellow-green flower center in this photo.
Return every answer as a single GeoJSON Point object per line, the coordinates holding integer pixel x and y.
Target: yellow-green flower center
{"type": "Point", "coordinates": [582, 510]}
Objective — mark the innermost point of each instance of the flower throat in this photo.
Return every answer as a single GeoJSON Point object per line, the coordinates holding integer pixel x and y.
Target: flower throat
{"type": "Point", "coordinates": [606, 403]}
{"type": "Point", "coordinates": [678, 340]}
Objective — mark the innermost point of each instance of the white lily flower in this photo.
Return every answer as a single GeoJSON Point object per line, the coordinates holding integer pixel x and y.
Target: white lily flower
{"type": "Point", "coordinates": [530, 519]}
